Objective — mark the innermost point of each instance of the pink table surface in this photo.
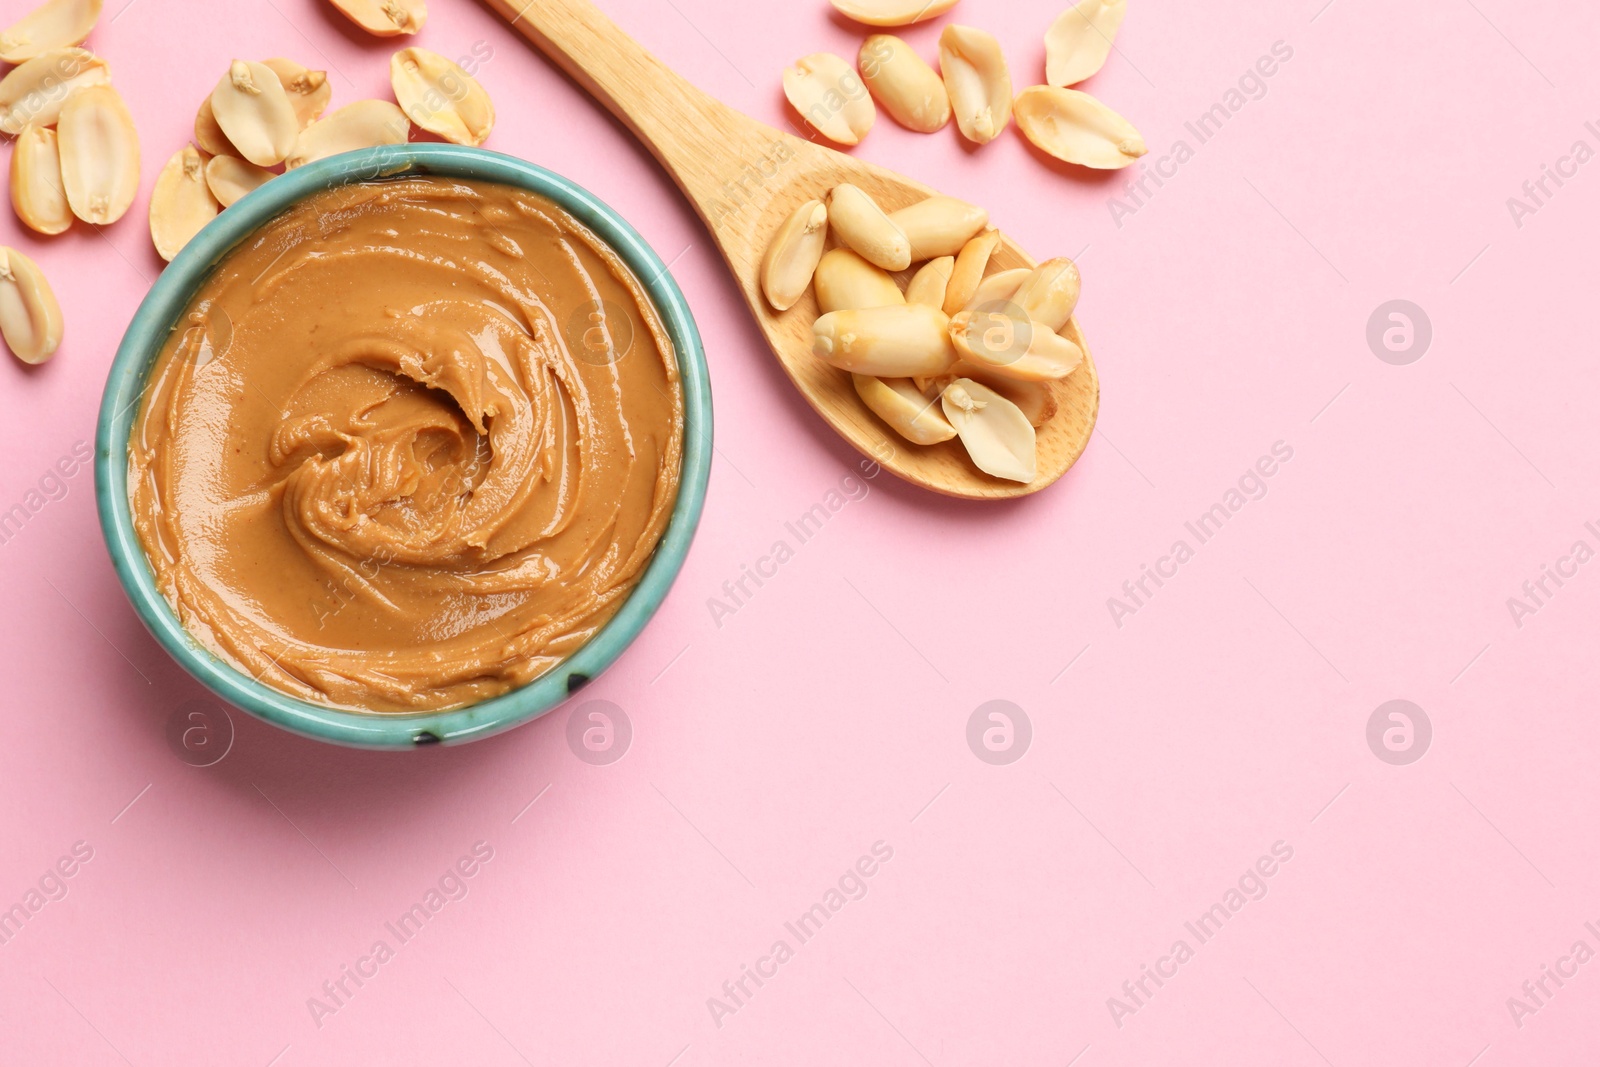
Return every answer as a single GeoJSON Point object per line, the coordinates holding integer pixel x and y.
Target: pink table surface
{"type": "Point", "coordinates": [1170, 749]}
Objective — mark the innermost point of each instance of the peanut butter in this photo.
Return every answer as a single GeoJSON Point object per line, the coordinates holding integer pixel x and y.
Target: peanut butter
{"type": "Point", "coordinates": [410, 446]}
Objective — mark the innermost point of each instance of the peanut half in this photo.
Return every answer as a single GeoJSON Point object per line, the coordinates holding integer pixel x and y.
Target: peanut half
{"type": "Point", "coordinates": [208, 135]}
{"type": "Point", "coordinates": [37, 90]}
{"type": "Point", "coordinates": [997, 435]}
{"type": "Point", "coordinates": [52, 25]}
{"type": "Point", "coordinates": [385, 18]}
{"type": "Point", "coordinates": [978, 80]}
{"type": "Point", "coordinates": [1077, 43]}
{"type": "Point", "coordinates": [888, 342]}
{"type": "Point", "coordinates": [909, 90]}
{"type": "Point", "coordinates": [970, 266]}
{"type": "Point", "coordinates": [792, 258]}
{"type": "Point", "coordinates": [181, 203]}
{"type": "Point", "coordinates": [846, 282]}
{"type": "Point", "coordinates": [1077, 128]}
{"type": "Point", "coordinates": [37, 194]}
{"type": "Point", "coordinates": [30, 318]}
{"type": "Point", "coordinates": [997, 290]}
{"type": "Point", "coordinates": [893, 12]}
{"type": "Point", "coordinates": [931, 283]}
{"type": "Point", "coordinates": [1013, 347]}
{"type": "Point", "coordinates": [910, 414]}
{"type": "Point", "coordinates": [254, 112]}
{"type": "Point", "coordinates": [99, 154]}
{"type": "Point", "coordinates": [440, 97]}
{"type": "Point", "coordinates": [230, 178]}
{"type": "Point", "coordinates": [1050, 294]}
{"type": "Point", "coordinates": [363, 124]}
{"type": "Point", "coordinates": [861, 224]}
{"type": "Point", "coordinates": [829, 95]}
{"type": "Point", "coordinates": [309, 91]}
{"type": "Point", "coordinates": [939, 226]}
{"type": "Point", "coordinates": [1036, 400]}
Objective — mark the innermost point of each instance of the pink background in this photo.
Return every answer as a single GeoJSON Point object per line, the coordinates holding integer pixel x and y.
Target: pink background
{"type": "Point", "coordinates": [1227, 313]}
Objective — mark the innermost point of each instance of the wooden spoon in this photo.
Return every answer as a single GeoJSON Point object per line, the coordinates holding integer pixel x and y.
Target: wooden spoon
{"type": "Point", "coordinates": [744, 178]}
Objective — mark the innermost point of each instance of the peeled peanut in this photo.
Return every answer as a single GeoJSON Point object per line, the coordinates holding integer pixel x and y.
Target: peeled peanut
{"type": "Point", "coordinates": [910, 414]}
{"type": "Point", "coordinates": [37, 194]}
{"type": "Point", "coordinates": [893, 12]}
{"type": "Point", "coordinates": [230, 178]}
{"type": "Point", "coordinates": [997, 435]}
{"type": "Point", "coordinates": [309, 91]}
{"type": "Point", "coordinates": [997, 290]}
{"type": "Point", "coordinates": [208, 135]}
{"type": "Point", "coordinates": [1077, 43]}
{"type": "Point", "coordinates": [846, 282]}
{"type": "Point", "coordinates": [978, 80]}
{"type": "Point", "coordinates": [829, 95]}
{"type": "Point", "coordinates": [859, 222]}
{"type": "Point", "coordinates": [939, 226]}
{"type": "Point", "coordinates": [1013, 347]}
{"type": "Point", "coordinates": [254, 112]}
{"type": "Point", "coordinates": [1077, 128]}
{"type": "Point", "coordinates": [181, 203]}
{"type": "Point", "coordinates": [1036, 400]}
{"type": "Point", "coordinates": [37, 90]}
{"type": "Point", "coordinates": [30, 318]}
{"type": "Point", "coordinates": [99, 154]}
{"type": "Point", "coordinates": [52, 25]}
{"type": "Point", "coordinates": [792, 258]}
{"type": "Point", "coordinates": [1050, 294]}
{"type": "Point", "coordinates": [930, 284]}
{"type": "Point", "coordinates": [969, 269]}
{"type": "Point", "coordinates": [385, 18]}
{"type": "Point", "coordinates": [363, 124]}
{"type": "Point", "coordinates": [909, 90]}
{"type": "Point", "coordinates": [440, 97]}
{"type": "Point", "coordinates": [887, 342]}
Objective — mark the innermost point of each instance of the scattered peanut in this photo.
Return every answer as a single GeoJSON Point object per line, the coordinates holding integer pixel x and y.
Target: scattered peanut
{"type": "Point", "coordinates": [792, 258]}
{"type": "Point", "coordinates": [51, 25]}
{"type": "Point", "coordinates": [886, 342]}
{"type": "Point", "coordinates": [30, 318]}
{"type": "Point", "coordinates": [846, 282]}
{"type": "Point", "coordinates": [978, 80]}
{"type": "Point", "coordinates": [385, 18]}
{"type": "Point", "coordinates": [970, 266]}
{"type": "Point", "coordinates": [230, 178]}
{"type": "Point", "coordinates": [997, 435]}
{"type": "Point", "coordinates": [829, 95]}
{"type": "Point", "coordinates": [363, 124]}
{"type": "Point", "coordinates": [309, 91]}
{"type": "Point", "coordinates": [99, 154]}
{"type": "Point", "coordinates": [207, 134]}
{"type": "Point", "coordinates": [37, 90]}
{"type": "Point", "coordinates": [254, 112]}
{"type": "Point", "coordinates": [1077, 128]}
{"type": "Point", "coordinates": [898, 402]}
{"type": "Point", "coordinates": [37, 194]}
{"type": "Point", "coordinates": [1077, 43]}
{"type": "Point", "coordinates": [893, 12]}
{"type": "Point", "coordinates": [909, 90]}
{"type": "Point", "coordinates": [939, 226]}
{"type": "Point", "coordinates": [864, 226]}
{"type": "Point", "coordinates": [931, 283]}
{"type": "Point", "coordinates": [181, 204]}
{"type": "Point", "coordinates": [440, 97]}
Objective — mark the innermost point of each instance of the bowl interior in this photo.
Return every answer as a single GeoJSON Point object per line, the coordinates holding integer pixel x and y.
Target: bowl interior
{"type": "Point", "coordinates": [166, 302]}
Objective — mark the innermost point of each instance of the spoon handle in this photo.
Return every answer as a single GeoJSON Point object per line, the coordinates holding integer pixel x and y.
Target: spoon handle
{"type": "Point", "coordinates": [699, 140]}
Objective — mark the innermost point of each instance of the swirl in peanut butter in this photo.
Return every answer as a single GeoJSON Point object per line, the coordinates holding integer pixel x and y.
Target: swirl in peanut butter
{"type": "Point", "coordinates": [410, 446]}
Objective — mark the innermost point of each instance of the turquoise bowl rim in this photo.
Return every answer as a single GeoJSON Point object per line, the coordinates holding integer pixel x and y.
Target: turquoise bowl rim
{"type": "Point", "coordinates": [167, 300]}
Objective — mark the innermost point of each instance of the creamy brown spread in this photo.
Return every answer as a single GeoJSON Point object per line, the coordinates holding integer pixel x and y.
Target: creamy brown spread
{"type": "Point", "coordinates": [410, 446]}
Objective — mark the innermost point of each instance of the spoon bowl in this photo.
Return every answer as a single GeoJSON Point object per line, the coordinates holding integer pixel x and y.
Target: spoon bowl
{"type": "Point", "coordinates": [744, 178]}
